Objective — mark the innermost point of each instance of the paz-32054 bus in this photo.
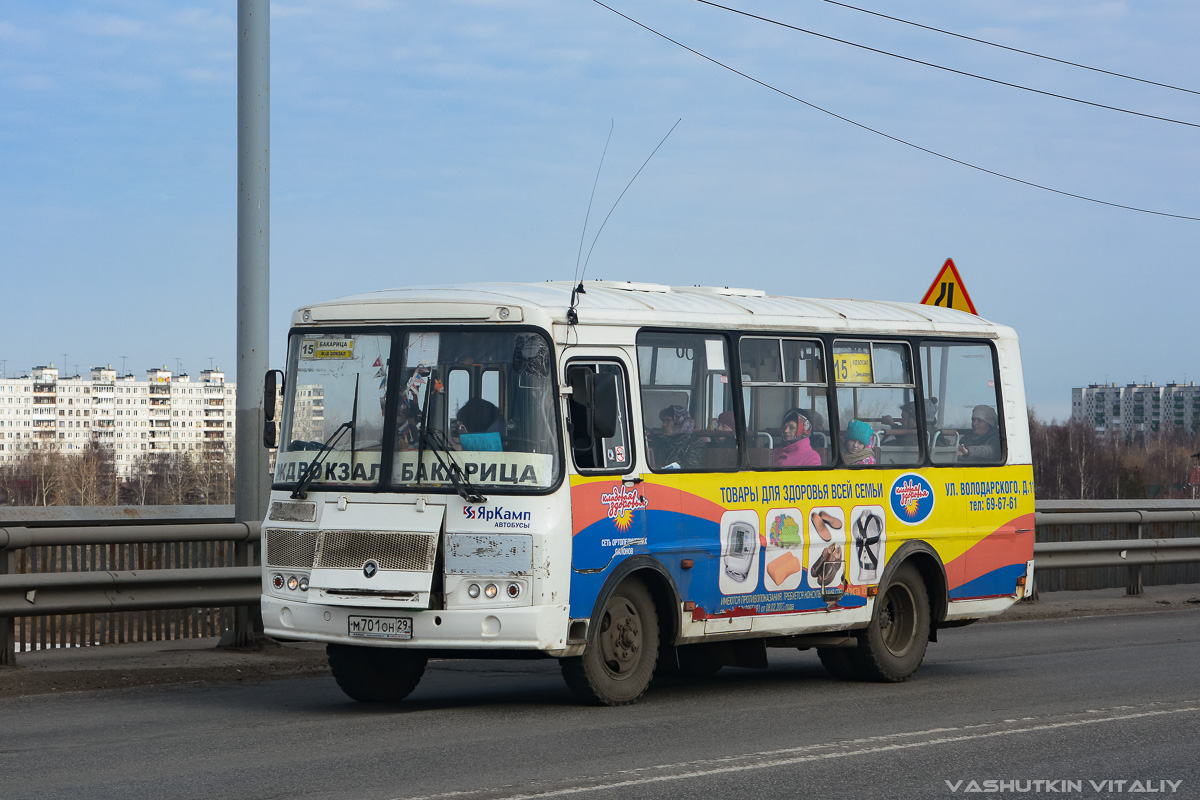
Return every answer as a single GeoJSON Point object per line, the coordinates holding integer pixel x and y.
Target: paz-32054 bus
{"type": "Point", "coordinates": [636, 478]}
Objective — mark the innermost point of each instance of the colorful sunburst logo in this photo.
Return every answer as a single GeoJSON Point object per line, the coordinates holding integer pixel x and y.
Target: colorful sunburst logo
{"type": "Point", "coordinates": [624, 519]}
{"type": "Point", "coordinates": [912, 498]}
{"type": "Point", "coordinates": [621, 502]}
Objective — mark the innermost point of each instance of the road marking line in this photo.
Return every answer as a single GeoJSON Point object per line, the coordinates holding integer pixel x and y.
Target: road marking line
{"type": "Point", "coordinates": [798, 755]}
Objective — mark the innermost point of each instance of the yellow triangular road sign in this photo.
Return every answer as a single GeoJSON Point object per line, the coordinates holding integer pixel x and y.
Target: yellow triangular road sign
{"type": "Point", "coordinates": [948, 291]}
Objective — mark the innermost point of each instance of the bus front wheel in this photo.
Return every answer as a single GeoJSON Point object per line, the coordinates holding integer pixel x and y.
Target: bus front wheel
{"type": "Point", "coordinates": [892, 647]}
{"type": "Point", "coordinates": [622, 653]}
{"type": "Point", "coordinates": [375, 674]}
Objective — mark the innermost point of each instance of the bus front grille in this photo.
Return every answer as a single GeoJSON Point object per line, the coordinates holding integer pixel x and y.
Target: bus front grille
{"type": "Point", "coordinates": [295, 549]}
{"type": "Point", "coordinates": [413, 552]}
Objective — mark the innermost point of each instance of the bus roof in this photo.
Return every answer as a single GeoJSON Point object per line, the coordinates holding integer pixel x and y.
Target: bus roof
{"type": "Point", "coordinates": [630, 303]}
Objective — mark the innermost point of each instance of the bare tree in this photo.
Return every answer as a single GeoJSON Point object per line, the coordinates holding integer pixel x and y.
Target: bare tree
{"type": "Point", "coordinates": [89, 478]}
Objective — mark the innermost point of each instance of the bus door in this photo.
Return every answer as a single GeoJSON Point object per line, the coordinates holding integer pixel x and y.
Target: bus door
{"type": "Point", "coordinates": [608, 516]}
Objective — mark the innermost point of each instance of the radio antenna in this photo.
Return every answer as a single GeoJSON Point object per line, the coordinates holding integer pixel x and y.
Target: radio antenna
{"type": "Point", "coordinates": [572, 314]}
{"type": "Point", "coordinates": [614, 205]}
{"type": "Point", "coordinates": [583, 233]}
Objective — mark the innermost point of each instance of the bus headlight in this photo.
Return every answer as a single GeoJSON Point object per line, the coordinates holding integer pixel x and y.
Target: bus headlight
{"type": "Point", "coordinates": [304, 583]}
{"type": "Point", "coordinates": [293, 582]}
{"type": "Point", "coordinates": [490, 591]}
{"type": "Point", "coordinates": [473, 591]}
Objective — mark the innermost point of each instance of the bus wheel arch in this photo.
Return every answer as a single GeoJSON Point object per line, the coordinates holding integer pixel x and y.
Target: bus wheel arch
{"type": "Point", "coordinates": [912, 592]}
{"type": "Point", "coordinates": [929, 564]}
{"type": "Point", "coordinates": [630, 631]}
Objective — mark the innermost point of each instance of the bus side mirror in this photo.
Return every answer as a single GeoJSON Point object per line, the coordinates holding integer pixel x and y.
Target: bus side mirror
{"type": "Point", "coordinates": [596, 394]}
{"type": "Point", "coordinates": [272, 384]}
{"type": "Point", "coordinates": [604, 405]}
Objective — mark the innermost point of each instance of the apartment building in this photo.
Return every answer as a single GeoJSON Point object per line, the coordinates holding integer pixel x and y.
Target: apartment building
{"type": "Point", "coordinates": [1138, 410]}
{"type": "Point", "coordinates": [131, 417]}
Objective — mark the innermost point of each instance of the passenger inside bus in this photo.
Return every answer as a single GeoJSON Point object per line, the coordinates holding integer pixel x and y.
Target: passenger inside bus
{"type": "Point", "coordinates": [795, 449]}
{"type": "Point", "coordinates": [480, 425]}
{"type": "Point", "coordinates": [858, 444]}
{"type": "Point", "coordinates": [904, 433]}
{"type": "Point", "coordinates": [676, 447]}
{"type": "Point", "coordinates": [983, 442]}
{"type": "Point", "coordinates": [723, 435]}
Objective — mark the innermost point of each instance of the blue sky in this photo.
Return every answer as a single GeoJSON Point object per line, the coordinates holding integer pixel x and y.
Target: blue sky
{"type": "Point", "coordinates": [422, 142]}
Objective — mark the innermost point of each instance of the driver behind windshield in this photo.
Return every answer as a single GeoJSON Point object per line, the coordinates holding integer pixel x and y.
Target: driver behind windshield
{"type": "Point", "coordinates": [480, 425]}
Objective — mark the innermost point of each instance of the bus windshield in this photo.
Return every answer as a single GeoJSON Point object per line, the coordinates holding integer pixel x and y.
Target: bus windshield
{"type": "Point", "coordinates": [473, 408]}
{"type": "Point", "coordinates": [481, 402]}
{"type": "Point", "coordinates": [336, 391]}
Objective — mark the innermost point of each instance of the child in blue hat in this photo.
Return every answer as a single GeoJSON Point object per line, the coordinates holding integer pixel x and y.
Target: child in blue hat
{"type": "Point", "coordinates": [858, 444]}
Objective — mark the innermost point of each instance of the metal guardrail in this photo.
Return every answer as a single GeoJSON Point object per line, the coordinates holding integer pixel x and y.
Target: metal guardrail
{"type": "Point", "coordinates": [31, 594]}
{"type": "Point", "coordinates": [1144, 522]}
{"type": "Point", "coordinates": [92, 591]}
{"type": "Point", "coordinates": [128, 590]}
{"type": "Point", "coordinates": [1115, 553]}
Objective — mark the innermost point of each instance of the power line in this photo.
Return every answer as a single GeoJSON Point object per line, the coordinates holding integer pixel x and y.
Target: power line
{"type": "Point", "coordinates": [948, 69]}
{"type": "Point", "coordinates": [1012, 49]}
{"type": "Point", "coordinates": [888, 135]}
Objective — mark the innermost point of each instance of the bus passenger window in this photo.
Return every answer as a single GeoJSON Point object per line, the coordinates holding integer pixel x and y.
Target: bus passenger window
{"type": "Point", "coordinates": [786, 399]}
{"type": "Point", "coordinates": [965, 377]}
{"type": "Point", "coordinates": [875, 388]}
{"type": "Point", "coordinates": [685, 389]}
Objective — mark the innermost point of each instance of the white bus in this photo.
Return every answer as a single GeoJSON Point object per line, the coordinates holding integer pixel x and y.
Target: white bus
{"type": "Point", "coordinates": [636, 478]}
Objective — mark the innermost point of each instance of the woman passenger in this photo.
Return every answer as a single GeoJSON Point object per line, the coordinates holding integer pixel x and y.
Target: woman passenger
{"type": "Point", "coordinates": [983, 442]}
{"type": "Point", "coordinates": [796, 449]}
{"type": "Point", "coordinates": [677, 448]}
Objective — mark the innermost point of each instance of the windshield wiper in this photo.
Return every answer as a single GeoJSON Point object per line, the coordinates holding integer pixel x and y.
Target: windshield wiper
{"type": "Point", "coordinates": [466, 490]}
{"type": "Point", "coordinates": [314, 466]}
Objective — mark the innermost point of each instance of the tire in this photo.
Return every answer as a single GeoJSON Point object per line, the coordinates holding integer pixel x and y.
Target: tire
{"type": "Point", "coordinates": [892, 647]}
{"type": "Point", "coordinates": [622, 650]}
{"type": "Point", "coordinates": [839, 662]}
{"type": "Point", "coordinates": [375, 674]}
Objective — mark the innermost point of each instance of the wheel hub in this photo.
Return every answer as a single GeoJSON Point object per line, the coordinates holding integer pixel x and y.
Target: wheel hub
{"type": "Point", "coordinates": [897, 620]}
{"type": "Point", "coordinates": [621, 639]}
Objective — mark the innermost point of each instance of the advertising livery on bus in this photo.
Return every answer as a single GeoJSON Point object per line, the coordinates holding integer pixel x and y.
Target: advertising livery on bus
{"type": "Point", "coordinates": [635, 478]}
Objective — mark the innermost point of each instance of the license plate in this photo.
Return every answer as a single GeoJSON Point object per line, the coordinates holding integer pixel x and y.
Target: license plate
{"type": "Point", "coordinates": [381, 627]}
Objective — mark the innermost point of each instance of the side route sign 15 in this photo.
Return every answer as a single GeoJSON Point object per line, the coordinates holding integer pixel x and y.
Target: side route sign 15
{"type": "Point", "coordinates": [948, 290]}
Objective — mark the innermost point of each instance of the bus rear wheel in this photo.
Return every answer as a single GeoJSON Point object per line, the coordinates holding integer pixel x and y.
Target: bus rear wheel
{"type": "Point", "coordinates": [622, 652]}
{"type": "Point", "coordinates": [892, 647]}
{"type": "Point", "coordinates": [375, 674]}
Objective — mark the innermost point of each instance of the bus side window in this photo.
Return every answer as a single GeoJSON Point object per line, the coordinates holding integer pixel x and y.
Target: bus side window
{"type": "Point", "coordinates": [963, 376]}
{"type": "Point", "coordinates": [786, 402]}
{"type": "Point", "coordinates": [684, 381]}
{"type": "Point", "coordinates": [875, 387]}
{"type": "Point", "coordinates": [599, 454]}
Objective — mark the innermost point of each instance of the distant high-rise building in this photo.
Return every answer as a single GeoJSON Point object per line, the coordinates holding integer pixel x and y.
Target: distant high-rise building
{"type": "Point", "coordinates": [130, 417]}
{"type": "Point", "coordinates": [1138, 410]}
{"type": "Point", "coordinates": [308, 415]}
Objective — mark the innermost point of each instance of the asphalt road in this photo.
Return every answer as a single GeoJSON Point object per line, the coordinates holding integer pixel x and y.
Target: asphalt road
{"type": "Point", "coordinates": [1089, 700]}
